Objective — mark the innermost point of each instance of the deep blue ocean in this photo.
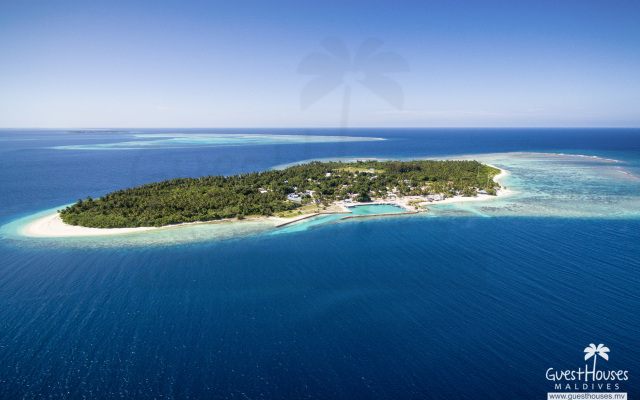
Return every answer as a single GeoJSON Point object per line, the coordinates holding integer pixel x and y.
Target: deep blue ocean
{"type": "Point", "coordinates": [458, 306]}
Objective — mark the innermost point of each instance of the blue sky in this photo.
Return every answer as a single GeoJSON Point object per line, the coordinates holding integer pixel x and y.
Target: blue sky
{"type": "Point", "coordinates": [235, 64]}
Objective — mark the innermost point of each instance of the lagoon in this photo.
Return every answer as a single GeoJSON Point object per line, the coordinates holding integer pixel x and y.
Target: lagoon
{"type": "Point", "coordinates": [376, 209]}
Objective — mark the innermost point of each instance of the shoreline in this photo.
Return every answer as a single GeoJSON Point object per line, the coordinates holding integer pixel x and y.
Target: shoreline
{"type": "Point", "coordinates": [52, 226]}
{"type": "Point", "coordinates": [482, 197]}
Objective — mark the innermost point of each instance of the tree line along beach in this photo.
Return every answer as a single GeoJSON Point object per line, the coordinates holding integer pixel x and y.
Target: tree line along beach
{"type": "Point", "coordinates": [281, 196]}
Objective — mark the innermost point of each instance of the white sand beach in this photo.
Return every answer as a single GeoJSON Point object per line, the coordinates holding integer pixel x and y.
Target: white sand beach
{"type": "Point", "coordinates": [52, 226]}
{"type": "Point", "coordinates": [481, 197]}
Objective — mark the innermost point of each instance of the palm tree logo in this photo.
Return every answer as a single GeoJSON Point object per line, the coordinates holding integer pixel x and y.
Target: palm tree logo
{"type": "Point", "coordinates": [338, 68]}
{"type": "Point", "coordinates": [593, 351]}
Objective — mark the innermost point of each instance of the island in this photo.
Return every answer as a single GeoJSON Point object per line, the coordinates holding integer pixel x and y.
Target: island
{"type": "Point", "coordinates": [288, 193]}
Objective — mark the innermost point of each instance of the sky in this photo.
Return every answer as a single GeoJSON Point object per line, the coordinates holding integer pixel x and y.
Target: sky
{"type": "Point", "coordinates": [86, 64]}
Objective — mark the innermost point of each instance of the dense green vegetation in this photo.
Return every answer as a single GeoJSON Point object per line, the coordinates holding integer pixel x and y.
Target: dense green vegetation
{"type": "Point", "coordinates": [265, 193]}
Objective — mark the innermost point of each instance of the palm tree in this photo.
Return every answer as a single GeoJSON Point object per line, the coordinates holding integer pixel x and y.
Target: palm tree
{"type": "Point", "coordinates": [367, 66]}
{"type": "Point", "coordinates": [593, 351]}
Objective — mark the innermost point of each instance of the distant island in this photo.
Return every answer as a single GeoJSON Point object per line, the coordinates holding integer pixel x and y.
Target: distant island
{"type": "Point", "coordinates": [284, 193]}
{"type": "Point", "coordinates": [98, 131]}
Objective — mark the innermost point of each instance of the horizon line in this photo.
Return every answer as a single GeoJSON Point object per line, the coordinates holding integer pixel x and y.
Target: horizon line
{"type": "Point", "coordinates": [319, 127]}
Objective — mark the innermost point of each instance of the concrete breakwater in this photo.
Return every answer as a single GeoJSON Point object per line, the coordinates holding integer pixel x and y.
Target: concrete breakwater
{"type": "Point", "coordinates": [346, 209]}
{"type": "Point", "coordinates": [381, 215]}
{"type": "Point", "coordinates": [296, 219]}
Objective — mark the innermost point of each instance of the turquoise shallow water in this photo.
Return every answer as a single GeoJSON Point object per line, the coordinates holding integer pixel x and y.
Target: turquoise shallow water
{"type": "Point", "coordinates": [330, 219]}
{"type": "Point", "coordinates": [182, 140]}
{"type": "Point", "coordinates": [465, 301]}
{"type": "Point", "coordinates": [563, 185]}
{"type": "Point", "coordinates": [376, 209]}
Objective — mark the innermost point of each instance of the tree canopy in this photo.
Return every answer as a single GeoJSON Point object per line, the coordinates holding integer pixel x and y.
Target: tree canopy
{"type": "Point", "coordinates": [265, 193]}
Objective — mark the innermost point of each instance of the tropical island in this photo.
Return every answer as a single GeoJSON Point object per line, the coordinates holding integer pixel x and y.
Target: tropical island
{"type": "Point", "coordinates": [312, 187]}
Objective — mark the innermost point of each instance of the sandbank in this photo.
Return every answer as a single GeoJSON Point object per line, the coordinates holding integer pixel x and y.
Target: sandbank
{"type": "Point", "coordinates": [53, 226]}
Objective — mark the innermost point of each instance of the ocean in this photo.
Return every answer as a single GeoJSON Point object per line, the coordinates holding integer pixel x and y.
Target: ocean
{"type": "Point", "coordinates": [470, 301]}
